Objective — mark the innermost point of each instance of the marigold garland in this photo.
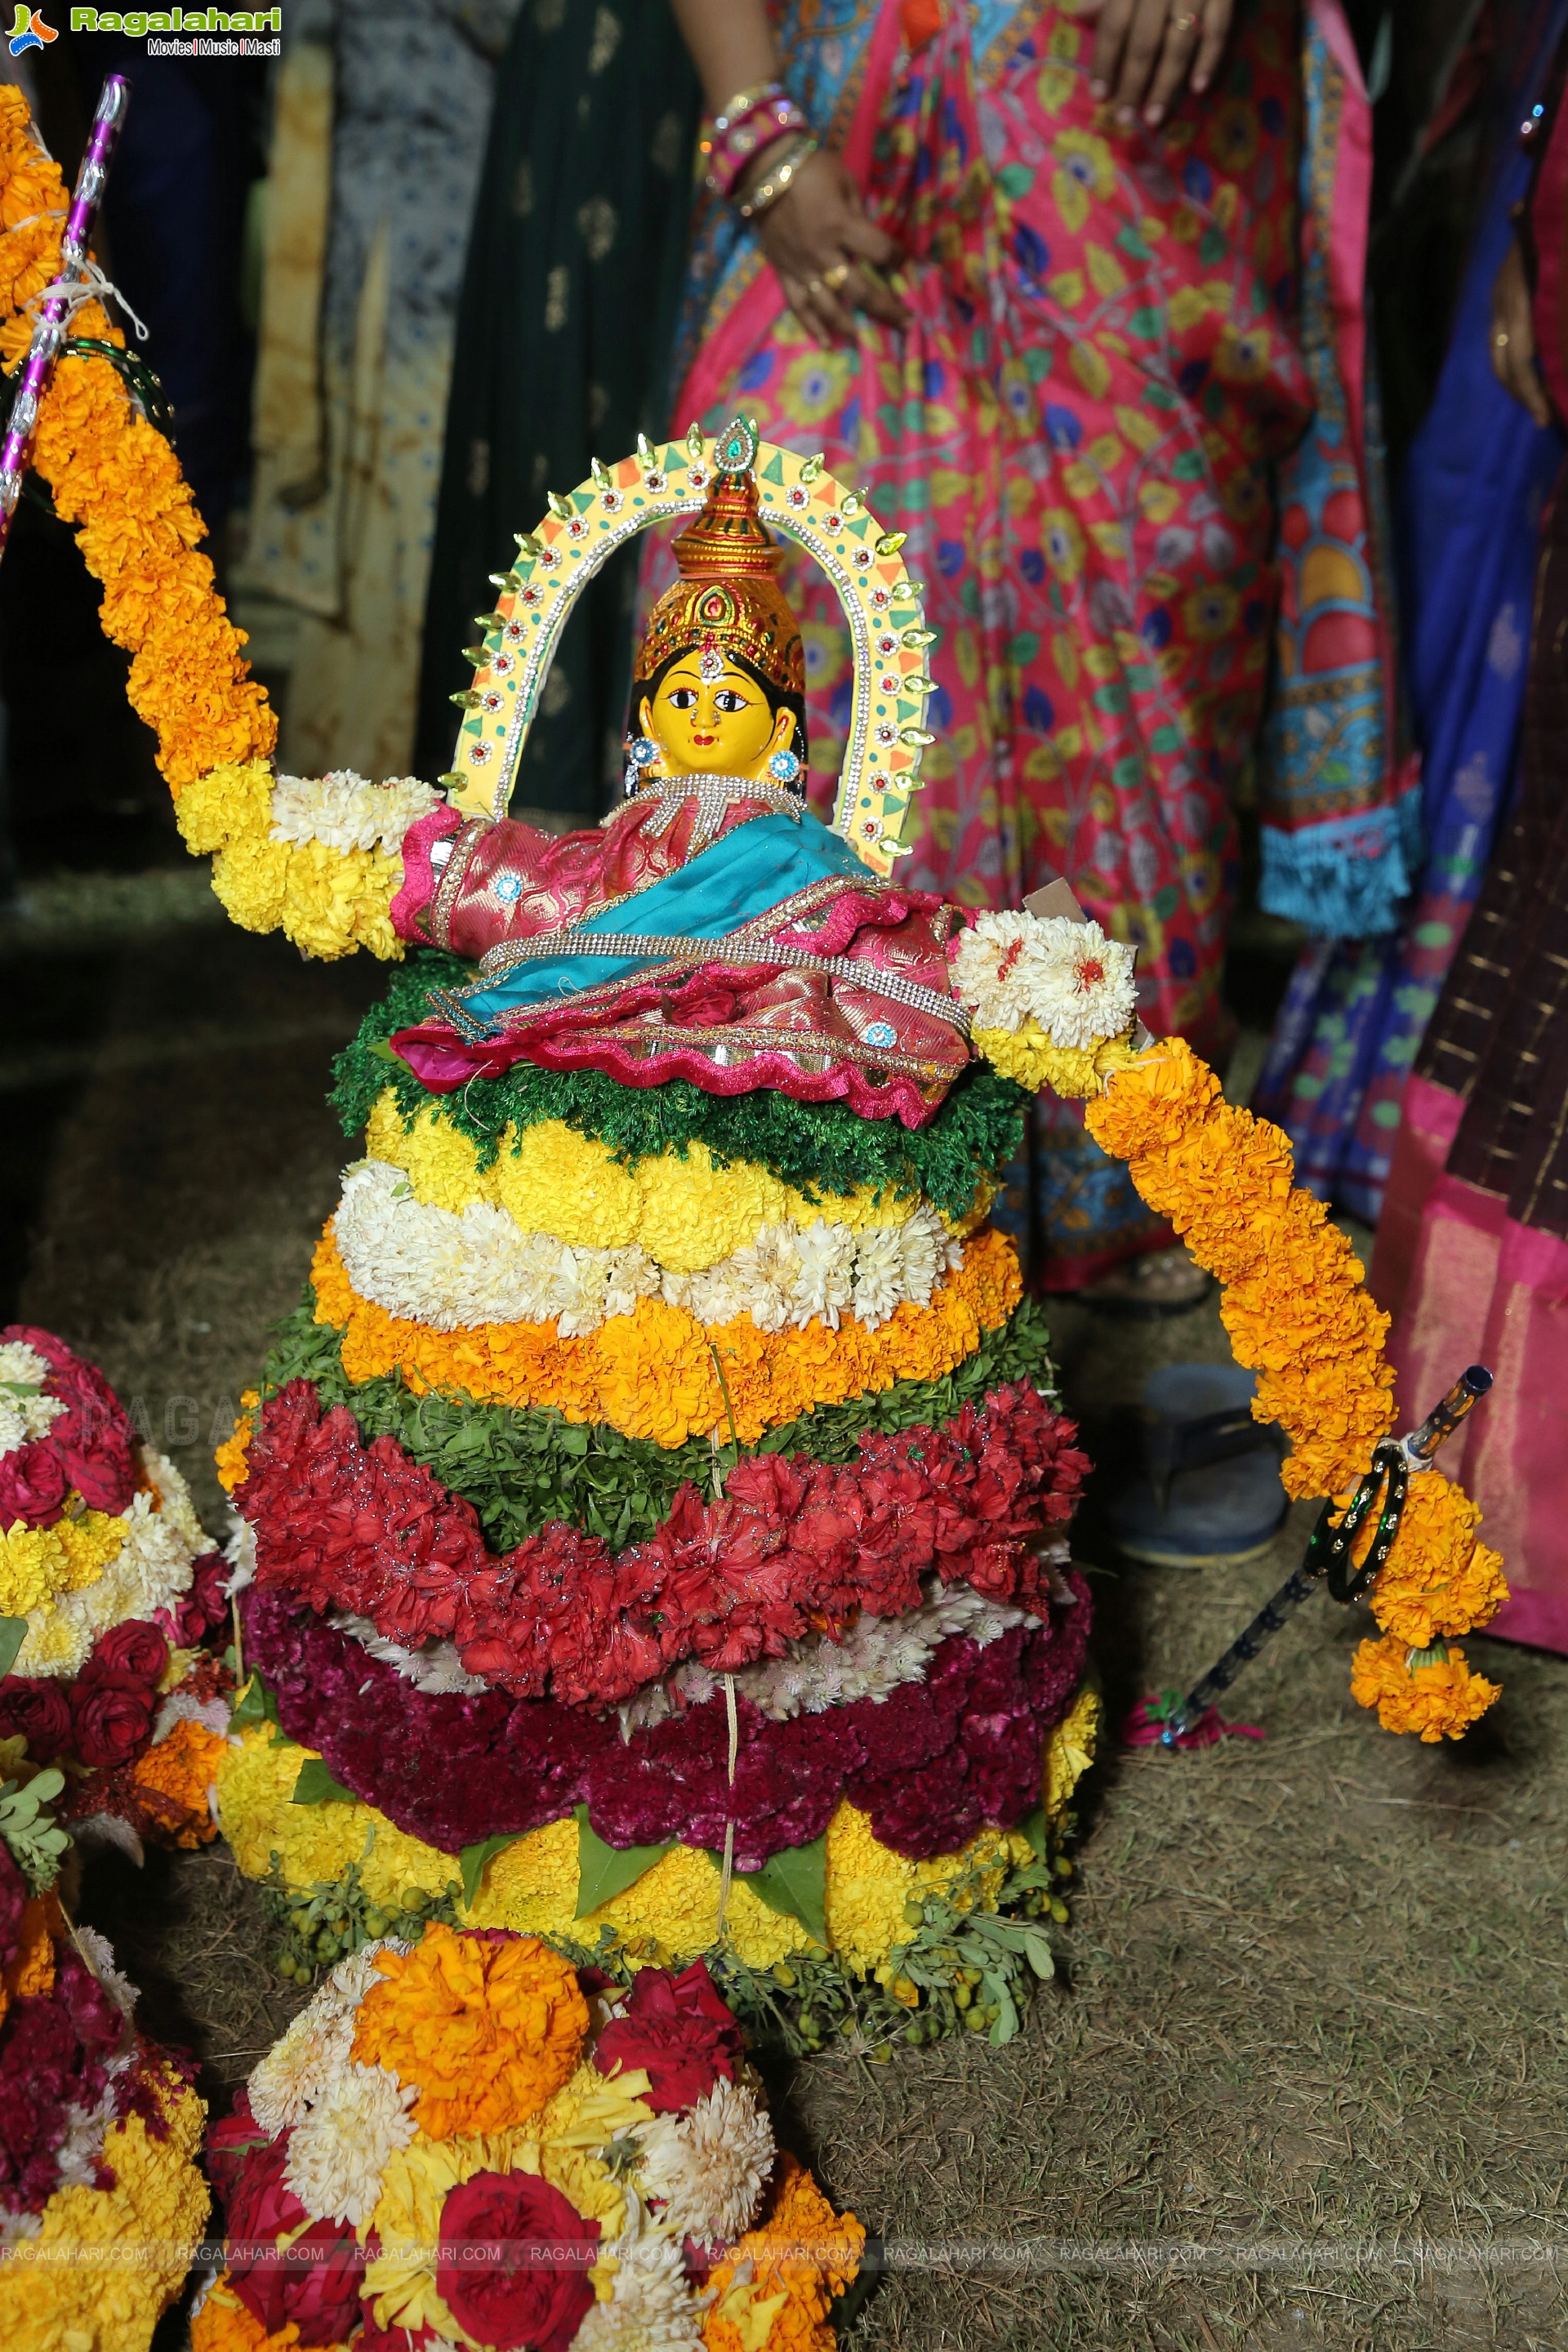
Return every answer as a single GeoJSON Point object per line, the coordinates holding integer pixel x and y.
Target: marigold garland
{"type": "Point", "coordinates": [489, 2030]}
{"type": "Point", "coordinates": [1026, 1056]}
{"type": "Point", "coordinates": [116, 478]}
{"type": "Point", "coordinates": [652, 1374]}
{"type": "Point", "coordinates": [1430, 1692]}
{"type": "Point", "coordinates": [1298, 1314]}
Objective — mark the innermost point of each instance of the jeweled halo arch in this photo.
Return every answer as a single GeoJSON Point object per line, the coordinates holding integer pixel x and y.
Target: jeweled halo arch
{"type": "Point", "coordinates": [797, 495]}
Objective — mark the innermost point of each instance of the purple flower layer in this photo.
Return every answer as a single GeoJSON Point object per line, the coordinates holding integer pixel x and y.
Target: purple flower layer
{"type": "Point", "coordinates": [931, 1763]}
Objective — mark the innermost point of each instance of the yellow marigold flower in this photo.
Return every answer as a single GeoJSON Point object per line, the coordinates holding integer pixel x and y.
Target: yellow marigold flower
{"type": "Point", "coordinates": [1431, 1692]}
{"type": "Point", "coordinates": [233, 1455]}
{"type": "Point", "coordinates": [1027, 1055]}
{"type": "Point", "coordinates": [488, 2031]}
{"type": "Point", "coordinates": [37, 1563]}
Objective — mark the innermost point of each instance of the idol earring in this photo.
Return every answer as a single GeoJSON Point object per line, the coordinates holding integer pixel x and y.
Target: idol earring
{"type": "Point", "coordinates": [785, 766]}
{"type": "Point", "coordinates": [642, 754]}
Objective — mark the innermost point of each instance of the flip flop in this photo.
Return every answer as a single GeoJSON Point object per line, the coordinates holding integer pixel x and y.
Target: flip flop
{"type": "Point", "coordinates": [1209, 1489]}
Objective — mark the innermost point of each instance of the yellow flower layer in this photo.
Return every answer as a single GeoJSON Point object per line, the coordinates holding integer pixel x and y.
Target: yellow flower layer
{"type": "Point", "coordinates": [156, 2212]}
{"type": "Point", "coordinates": [652, 1374]}
{"type": "Point", "coordinates": [328, 901]}
{"type": "Point", "coordinates": [671, 1912]}
{"type": "Point", "coordinates": [687, 1213]}
{"type": "Point", "coordinates": [1027, 1055]}
{"type": "Point", "coordinates": [37, 1563]}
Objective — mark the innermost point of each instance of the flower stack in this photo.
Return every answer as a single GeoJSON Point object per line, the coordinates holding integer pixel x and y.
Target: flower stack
{"type": "Point", "coordinates": [108, 1586]}
{"type": "Point", "coordinates": [102, 2203]}
{"type": "Point", "coordinates": [465, 2141]}
{"type": "Point", "coordinates": [655, 1520]}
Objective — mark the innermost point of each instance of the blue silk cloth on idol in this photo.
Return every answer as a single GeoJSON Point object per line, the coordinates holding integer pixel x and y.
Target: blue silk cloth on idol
{"type": "Point", "coordinates": [1466, 522]}
{"type": "Point", "coordinates": [736, 880]}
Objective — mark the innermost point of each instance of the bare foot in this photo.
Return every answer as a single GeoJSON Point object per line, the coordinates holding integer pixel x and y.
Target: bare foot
{"type": "Point", "coordinates": [1161, 1282]}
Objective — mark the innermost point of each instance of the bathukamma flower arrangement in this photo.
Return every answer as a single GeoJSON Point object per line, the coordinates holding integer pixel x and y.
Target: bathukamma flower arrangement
{"type": "Point", "coordinates": [101, 2201]}
{"type": "Point", "coordinates": [463, 2138]}
{"type": "Point", "coordinates": [108, 1589]}
{"type": "Point", "coordinates": [654, 1522]}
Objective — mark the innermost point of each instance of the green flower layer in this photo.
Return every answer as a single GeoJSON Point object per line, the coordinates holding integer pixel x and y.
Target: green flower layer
{"type": "Point", "coordinates": [820, 1147]}
{"type": "Point", "coordinates": [520, 1467]}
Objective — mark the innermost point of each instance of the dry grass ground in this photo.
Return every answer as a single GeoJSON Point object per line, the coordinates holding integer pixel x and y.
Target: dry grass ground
{"type": "Point", "coordinates": [1301, 2080]}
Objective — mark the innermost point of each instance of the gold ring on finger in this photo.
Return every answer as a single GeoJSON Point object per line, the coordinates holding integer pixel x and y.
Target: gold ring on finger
{"type": "Point", "coordinates": [816, 285]}
{"type": "Point", "coordinates": [1183, 24]}
{"type": "Point", "coordinates": [1501, 342]}
{"type": "Point", "coordinates": [838, 277]}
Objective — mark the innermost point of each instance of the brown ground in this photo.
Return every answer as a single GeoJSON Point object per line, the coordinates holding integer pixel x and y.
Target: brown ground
{"type": "Point", "coordinates": [1301, 2081]}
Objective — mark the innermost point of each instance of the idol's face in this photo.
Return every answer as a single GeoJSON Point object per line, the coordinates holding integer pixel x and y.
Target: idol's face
{"type": "Point", "coordinates": [722, 725]}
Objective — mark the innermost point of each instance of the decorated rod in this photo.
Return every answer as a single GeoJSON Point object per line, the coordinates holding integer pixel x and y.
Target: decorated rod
{"type": "Point", "coordinates": [1329, 1552]}
{"type": "Point", "coordinates": [54, 316]}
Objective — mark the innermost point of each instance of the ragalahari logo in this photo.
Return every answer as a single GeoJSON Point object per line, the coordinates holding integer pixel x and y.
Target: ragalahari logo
{"type": "Point", "coordinates": [29, 31]}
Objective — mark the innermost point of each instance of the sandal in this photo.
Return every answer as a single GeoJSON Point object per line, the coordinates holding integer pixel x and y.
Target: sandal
{"type": "Point", "coordinates": [1209, 1490]}
{"type": "Point", "coordinates": [1148, 1289]}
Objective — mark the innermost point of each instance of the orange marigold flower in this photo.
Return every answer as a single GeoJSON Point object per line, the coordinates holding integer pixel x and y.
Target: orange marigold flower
{"type": "Point", "coordinates": [223, 2324]}
{"type": "Point", "coordinates": [173, 1779]}
{"type": "Point", "coordinates": [489, 2030]}
{"type": "Point", "coordinates": [1439, 1579]}
{"type": "Point", "coordinates": [652, 1374]}
{"type": "Point", "coordinates": [232, 1455]}
{"type": "Point", "coordinates": [802, 2250]}
{"type": "Point", "coordinates": [1431, 1692]}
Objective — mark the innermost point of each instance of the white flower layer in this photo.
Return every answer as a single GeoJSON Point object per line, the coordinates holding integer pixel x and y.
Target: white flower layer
{"type": "Point", "coordinates": [1009, 968]}
{"type": "Point", "coordinates": [875, 1655]}
{"type": "Point", "coordinates": [25, 1411]}
{"type": "Point", "coordinates": [348, 812]}
{"type": "Point", "coordinates": [149, 1571]}
{"type": "Point", "coordinates": [450, 1270]}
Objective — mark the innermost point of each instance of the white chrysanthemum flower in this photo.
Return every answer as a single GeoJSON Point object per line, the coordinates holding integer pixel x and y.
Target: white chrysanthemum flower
{"type": "Point", "coordinates": [927, 1250]}
{"type": "Point", "coordinates": [25, 1411]}
{"type": "Point", "coordinates": [348, 812]}
{"type": "Point", "coordinates": [825, 1276]}
{"type": "Point", "coordinates": [297, 2070]}
{"type": "Point", "coordinates": [99, 1953]}
{"type": "Point", "coordinates": [353, 1978]}
{"type": "Point", "coordinates": [78, 2155]}
{"type": "Point", "coordinates": [182, 1706]}
{"type": "Point", "coordinates": [339, 2151]}
{"type": "Point", "coordinates": [1078, 984]}
{"type": "Point", "coordinates": [436, 1667]}
{"type": "Point", "coordinates": [630, 1275]}
{"type": "Point", "coordinates": [709, 2164]}
{"type": "Point", "coordinates": [651, 2308]}
{"type": "Point", "coordinates": [879, 1275]}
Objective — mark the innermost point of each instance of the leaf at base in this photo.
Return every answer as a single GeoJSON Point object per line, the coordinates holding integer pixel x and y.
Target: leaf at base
{"type": "Point", "coordinates": [472, 1860]}
{"type": "Point", "coordinates": [605, 1871]}
{"type": "Point", "coordinates": [12, 1633]}
{"type": "Point", "coordinates": [795, 1882]}
{"type": "Point", "coordinates": [316, 1786]}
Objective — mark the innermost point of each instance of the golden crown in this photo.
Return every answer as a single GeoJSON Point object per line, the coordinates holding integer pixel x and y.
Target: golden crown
{"type": "Point", "coordinates": [726, 600]}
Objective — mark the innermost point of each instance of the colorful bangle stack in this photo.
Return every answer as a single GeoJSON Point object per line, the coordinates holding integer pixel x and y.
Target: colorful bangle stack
{"type": "Point", "coordinates": [753, 122]}
{"type": "Point", "coordinates": [785, 158]}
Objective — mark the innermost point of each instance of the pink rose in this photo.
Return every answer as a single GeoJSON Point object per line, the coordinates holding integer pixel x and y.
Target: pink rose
{"type": "Point", "coordinates": [679, 2028]}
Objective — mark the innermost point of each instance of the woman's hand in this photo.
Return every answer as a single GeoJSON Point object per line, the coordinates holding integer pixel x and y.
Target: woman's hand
{"type": "Point", "coordinates": [1145, 50]}
{"type": "Point", "coordinates": [1513, 337]}
{"type": "Point", "coordinates": [826, 250]}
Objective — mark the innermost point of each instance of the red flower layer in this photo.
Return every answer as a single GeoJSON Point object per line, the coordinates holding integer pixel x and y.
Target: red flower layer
{"type": "Point", "coordinates": [794, 1545]}
{"type": "Point", "coordinates": [86, 1449]}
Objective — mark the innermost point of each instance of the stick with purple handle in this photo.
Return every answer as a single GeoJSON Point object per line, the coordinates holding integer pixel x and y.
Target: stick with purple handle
{"type": "Point", "coordinates": [55, 316]}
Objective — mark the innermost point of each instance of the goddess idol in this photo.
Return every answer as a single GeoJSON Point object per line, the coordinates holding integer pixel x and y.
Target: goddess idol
{"type": "Point", "coordinates": [660, 1496]}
